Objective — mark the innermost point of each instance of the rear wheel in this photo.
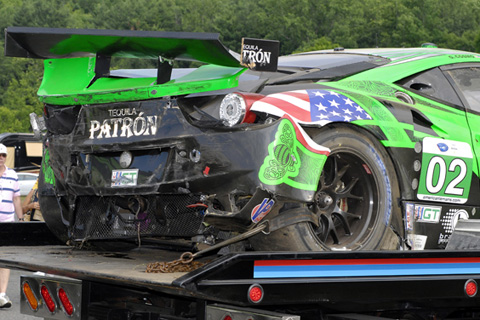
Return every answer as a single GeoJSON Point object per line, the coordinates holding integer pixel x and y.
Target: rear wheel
{"type": "Point", "coordinates": [52, 209]}
{"type": "Point", "coordinates": [356, 200]}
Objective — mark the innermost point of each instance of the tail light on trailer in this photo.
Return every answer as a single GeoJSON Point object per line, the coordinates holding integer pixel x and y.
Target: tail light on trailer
{"type": "Point", "coordinates": [47, 298]}
{"type": "Point", "coordinates": [67, 305]}
{"type": "Point", "coordinates": [51, 297]}
{"type": "Point", "coordinates": [255, 293]}
{"type": "Point", "coordinates": [30, 296]}
{"type": "Point", "coordinates": [471, 288]}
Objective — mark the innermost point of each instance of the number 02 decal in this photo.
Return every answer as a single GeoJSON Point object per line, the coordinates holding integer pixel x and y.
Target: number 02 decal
{"type": "Point", "coordinates": [438, 163]}
{"type": "Point", "coordinates": [446, 171]}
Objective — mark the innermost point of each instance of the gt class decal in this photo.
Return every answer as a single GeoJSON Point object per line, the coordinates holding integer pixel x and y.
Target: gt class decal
{"type": "Point", "coordinates": [427, 214]}
{"type": "Point", "coordinates": [446, 171]}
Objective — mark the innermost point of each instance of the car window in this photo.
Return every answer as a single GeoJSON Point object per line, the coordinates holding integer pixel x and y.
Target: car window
{"type": "Point", "coordinates": [468, 82]}
{"type": "Point", "coordinates": [432, 83]}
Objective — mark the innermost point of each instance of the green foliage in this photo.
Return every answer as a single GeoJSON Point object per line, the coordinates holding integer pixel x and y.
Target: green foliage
{"type": "Point", "coordinates": [322, 43]}
{"type": "Point", "coordinates": [20, 99]}
{"type": "Point", "coordinates": [299, 25]}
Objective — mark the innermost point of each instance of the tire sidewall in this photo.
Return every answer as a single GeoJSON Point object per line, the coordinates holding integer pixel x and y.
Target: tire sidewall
{"type": "Point", "coordinates": [362, 144]}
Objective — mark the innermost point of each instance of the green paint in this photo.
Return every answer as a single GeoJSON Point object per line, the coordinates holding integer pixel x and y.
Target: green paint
{"type": "Point", "coordinates": [289, 162]}
{"type": "Point", "coordinates": [49, 176]}
{"type": "Point", "coordinates": [69, 82]}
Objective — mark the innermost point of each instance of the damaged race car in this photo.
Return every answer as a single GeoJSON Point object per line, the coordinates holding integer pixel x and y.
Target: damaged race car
{"type": "Point", "coordinates": [365, 149]}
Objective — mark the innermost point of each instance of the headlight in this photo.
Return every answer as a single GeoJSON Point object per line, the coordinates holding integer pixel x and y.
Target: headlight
{"type": "Point", "coordinates": [232, 109]}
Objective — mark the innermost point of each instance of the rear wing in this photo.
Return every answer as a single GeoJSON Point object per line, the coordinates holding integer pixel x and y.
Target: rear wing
{"type": "Point", "coordinates": [54, 43]}
{"type": "Point", "coordinates": [77, 63]}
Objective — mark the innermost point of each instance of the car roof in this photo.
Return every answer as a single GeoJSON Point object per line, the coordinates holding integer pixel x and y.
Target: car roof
{"type": "Point", "coordinates": [383, 56]}
{"type": "Point", "coordinates": [367, 64]}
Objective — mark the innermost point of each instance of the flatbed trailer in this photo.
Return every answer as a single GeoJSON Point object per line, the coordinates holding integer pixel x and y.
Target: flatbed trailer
{"type": "Point", "coordinates": [73, 283]}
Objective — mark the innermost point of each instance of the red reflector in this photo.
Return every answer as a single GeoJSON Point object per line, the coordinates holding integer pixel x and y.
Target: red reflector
{"type": "Point", "coordinates": [67, 305]}
{"type": "Point", "coordinates": [47, 298]}
{"type": "Point", "coordinates": [471, 288]}
{"type": "Point", "coordinates": [255, 293]}
{"type": "Point", "coordinates": [227, 317]}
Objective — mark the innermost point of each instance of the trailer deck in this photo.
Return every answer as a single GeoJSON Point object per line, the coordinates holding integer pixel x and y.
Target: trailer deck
{"type": "Point", "coordinates": [382, 278]}
{"type": "Point", "coordinates": [431, 282]}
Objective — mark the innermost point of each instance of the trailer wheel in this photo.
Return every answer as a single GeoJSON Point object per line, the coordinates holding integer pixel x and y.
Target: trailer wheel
{"type": "Point", "coordinates": [356, 202]}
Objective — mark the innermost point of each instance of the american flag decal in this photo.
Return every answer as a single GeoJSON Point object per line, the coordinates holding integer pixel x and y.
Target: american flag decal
{"type": "Point", "coordinates": [308, 106]}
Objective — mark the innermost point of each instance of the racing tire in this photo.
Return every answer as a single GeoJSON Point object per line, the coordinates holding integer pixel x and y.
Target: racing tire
{"type": "Point", "coordinates": [357, 201]}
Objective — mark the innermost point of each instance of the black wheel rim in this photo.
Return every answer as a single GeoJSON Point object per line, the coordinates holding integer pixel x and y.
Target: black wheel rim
{"type": "Point", "coordinates": [346, 202]}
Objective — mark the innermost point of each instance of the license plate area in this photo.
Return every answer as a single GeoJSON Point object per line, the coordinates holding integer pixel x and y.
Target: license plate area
{"type": "Point", "coordinates": [147, 169]}
{"type": "Point", "coordinates": [124, 178]}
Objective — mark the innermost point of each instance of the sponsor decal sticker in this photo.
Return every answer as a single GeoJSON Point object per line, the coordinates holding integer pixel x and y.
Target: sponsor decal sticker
{"type": "Point", "coordinates": [449, 221]}
{"type": "Point", "coordinates": [125, 123]}
{"type": "Point", "coordinates": [123, 178]}
{"type": "Point", "coordinates": [260, 55]}
{"type": "Point", "coordinates": [427, 214]}
{"type": "Point", "coordinates": [409, 214]}
{"type": "Point", "coordinates": [442, 147]}
{"type": "Point", "coordinates": [417, 241]}
{"type": "Point", "coordinates": [446, 171]}
{"type": "Point", "coordinates": [293, 158]}
{"type": "Point", "coordinates": [261, 210]}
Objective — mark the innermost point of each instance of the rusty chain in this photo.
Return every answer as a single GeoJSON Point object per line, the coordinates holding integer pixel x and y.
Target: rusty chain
{"type": "Point", "coordinates": [186, 263]}
{"type": "Point", "coordinates": [180, 265]}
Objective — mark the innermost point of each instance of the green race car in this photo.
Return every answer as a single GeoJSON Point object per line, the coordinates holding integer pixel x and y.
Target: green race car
{"type": "Point", "coordinates": [340, 149]}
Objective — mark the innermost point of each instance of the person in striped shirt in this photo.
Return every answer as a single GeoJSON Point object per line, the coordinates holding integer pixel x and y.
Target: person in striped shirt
{"type": "Point", "coordinates": [10, 204]}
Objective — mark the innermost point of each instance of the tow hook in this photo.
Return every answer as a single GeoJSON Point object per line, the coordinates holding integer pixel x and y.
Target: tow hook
{"type": "Point", "coordinates": [282, 220]}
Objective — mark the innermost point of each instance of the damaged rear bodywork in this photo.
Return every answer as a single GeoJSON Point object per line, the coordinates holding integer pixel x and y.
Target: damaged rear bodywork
{"type": "Point", "coordinates": [128, 157]}
{"type": "Point", "coordinates": [181, 175]}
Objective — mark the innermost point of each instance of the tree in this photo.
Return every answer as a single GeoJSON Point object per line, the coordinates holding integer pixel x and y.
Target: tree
{"type": "Point", "coordinates": [299, 25]}
{"type": "Point", "coordinates": [20, 99]}
{"type": "Point", "coordinates": [322, 43]}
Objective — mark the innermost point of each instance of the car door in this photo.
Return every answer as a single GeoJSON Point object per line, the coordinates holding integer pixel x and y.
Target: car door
{"type": "Point", "coordinates": [465, 79]}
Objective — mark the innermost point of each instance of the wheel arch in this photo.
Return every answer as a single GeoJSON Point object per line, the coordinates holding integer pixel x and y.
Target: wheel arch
{"type": "Point", "coordinates": [404, 184]}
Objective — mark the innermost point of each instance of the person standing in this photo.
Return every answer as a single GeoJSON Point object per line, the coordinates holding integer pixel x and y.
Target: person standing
{"type": "Point", "coordinates": [31, 206]}
{"type": "Point", "coordinates": [10, 204]}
